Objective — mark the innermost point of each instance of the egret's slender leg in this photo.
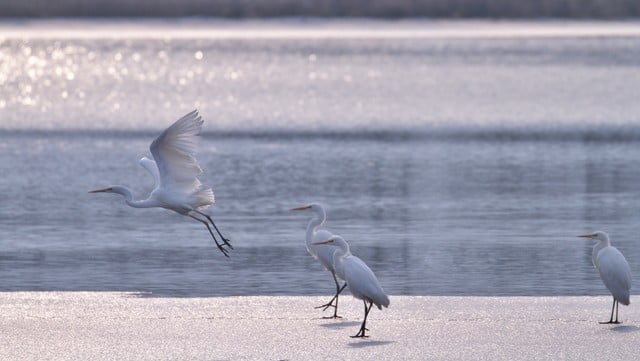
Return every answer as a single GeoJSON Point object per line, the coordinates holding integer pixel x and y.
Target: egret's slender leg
{"type": "Point", "coordinates": [364, 328]}
{"type": "Point", "coordinates": [335, 308]}
{"type": "Point", "coordinates": [617, 308]}
{"type": "Point", "coordinates": [225, 240]}
{"type": "Point", "coordinates": [612, 309]}
{"type": "Point", "coordinates": [335, 297]}
{"type": "Point", "coordinates": [335, 311]}
{"type": "Point", "coordinates": [330, 304]}
{"type": "Point", "coordinates": [220, 246]}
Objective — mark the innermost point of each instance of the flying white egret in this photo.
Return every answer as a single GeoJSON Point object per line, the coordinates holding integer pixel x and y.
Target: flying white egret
{"type": "Point", "coordinates": [361, 280]}
{"type": "Point", "coordinates": [175, 171]}
{"type": "Point", "coordinates": [323, 253]}
{"type": "Point", "coordinates": [613, 268]}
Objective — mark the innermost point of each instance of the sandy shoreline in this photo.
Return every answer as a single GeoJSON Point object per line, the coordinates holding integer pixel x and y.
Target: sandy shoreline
{"type": "Point", "coordinates": [125, 326]}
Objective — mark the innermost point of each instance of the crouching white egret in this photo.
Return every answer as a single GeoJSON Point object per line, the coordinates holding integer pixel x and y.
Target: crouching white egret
{"type": "Point", "coordinates": [361, 280]}
{"type": "Point", "coordinates": [323, 253]}
{"type": "Point", "coordinates": [175, 171]}
{"type": "Point", "coordinates": [614, 270]}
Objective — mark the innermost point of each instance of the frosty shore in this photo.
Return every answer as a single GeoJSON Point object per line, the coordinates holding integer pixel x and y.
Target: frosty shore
{"type": "Point", "coordinates": [119, 326]}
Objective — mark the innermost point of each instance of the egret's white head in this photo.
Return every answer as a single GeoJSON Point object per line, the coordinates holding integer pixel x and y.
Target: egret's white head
{"type": "Point", "coordinates": [335, 241]}
{"type": "Point", "coordinates": [598, 236]}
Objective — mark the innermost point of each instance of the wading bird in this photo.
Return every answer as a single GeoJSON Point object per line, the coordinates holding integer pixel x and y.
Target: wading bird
{"type": "Point", "coordinates": [175, 171]}
{"type": "Point", "coordinates": [362, 283]}
{"type": "Point", "coordinates": [613, 268]}
{"type": "Point", "coordinates": [323, 253]}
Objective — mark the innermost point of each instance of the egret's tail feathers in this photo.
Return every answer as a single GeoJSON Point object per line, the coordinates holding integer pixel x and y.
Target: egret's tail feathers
{"type": "Point", "coordinates": [203, 198]}
{"type": "Point", "coordinates": [624, 300]}
{"type": "Point", "coordinates": [381, 300]}
{"type": "Point", "coordinates": [386, 301]}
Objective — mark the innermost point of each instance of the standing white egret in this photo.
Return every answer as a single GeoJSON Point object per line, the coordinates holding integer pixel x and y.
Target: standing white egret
{"type": "Point", "coordinates": [361, 280]}
{"type": "Point", "coordinates": [323, 253]}
{"type": "Point", "coordinates": [613, 268]}
{"type": "Point", "coordinates": [175, 171]}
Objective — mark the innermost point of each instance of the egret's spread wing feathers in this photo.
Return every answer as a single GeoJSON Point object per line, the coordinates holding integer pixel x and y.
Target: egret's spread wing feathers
{"type": "Point", "coordinates": [152, 168]}
{"type": "Point", "coordinates": [174, 152]}
{"type": "Point", "coordinates": [615, 273]}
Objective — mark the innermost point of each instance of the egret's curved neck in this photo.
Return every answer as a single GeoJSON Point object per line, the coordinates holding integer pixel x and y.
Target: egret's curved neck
{"type": "Point", "coordinates": [597, 248]}
{"type": "Point", "coordinates": [343, 249]}
{"type": "Point", "coordinates": [128, 197]}
{"type": "Point", "coordinates": [316, 221]}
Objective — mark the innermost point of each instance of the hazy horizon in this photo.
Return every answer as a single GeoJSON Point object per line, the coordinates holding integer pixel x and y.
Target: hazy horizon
{"type": "Point", "coordinates": [585, 9]}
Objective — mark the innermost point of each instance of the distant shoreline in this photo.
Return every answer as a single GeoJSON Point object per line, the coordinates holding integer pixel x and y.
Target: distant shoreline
{"type": "Point", "coordinates": [311, 28]}
{"type": "Point", "coordinates": [390, 9]}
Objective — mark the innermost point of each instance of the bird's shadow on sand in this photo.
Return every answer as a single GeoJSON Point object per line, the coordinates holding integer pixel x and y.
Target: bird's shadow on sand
{"type": "Point", "coordinates": [368, 343]}
{"type": "Point", "coordinates": [340, 324]}
{"type": "Point", "coordinates": [625, 329]}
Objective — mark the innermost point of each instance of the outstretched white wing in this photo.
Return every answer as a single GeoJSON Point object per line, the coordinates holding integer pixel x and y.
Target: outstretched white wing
{"type": "Point", "coordinates": [174, 153]}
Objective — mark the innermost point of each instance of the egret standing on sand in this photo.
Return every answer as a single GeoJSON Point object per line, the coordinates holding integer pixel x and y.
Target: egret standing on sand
{"type": "Point", "coordinates": [175, 171]}
{"type": "Point", "coordinates": [323, 253]}
{"type": "Point", "coordinates": [362, 282]}
{"type": "Point", "coordinates": [613, 268]}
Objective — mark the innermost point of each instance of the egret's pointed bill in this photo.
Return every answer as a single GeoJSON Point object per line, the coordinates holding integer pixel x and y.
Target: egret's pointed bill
{"type": "Point", "coordinates": [585, 236]}
{"type": "Point", "coordinates": [300, 208]}
{"type": "Point", "coordinates": [322, 242]}
{"type": "Point", "coordinates": [99, 190]}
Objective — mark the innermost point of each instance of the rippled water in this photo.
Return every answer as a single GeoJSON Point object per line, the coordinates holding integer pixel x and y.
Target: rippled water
{"type": "Point", "coordinates": [453, 166]}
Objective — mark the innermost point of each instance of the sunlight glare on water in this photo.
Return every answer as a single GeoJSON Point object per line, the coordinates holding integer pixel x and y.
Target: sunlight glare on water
{"type": "Point", "coordinates": [325, 82]}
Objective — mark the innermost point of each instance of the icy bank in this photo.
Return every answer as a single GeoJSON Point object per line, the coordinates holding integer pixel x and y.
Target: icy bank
{"type": "Point", "coordinates": [118, 326]}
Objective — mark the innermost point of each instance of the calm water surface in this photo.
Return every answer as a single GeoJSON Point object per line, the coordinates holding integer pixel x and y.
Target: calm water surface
{"type": "Point", "coordinates": [453, 167]}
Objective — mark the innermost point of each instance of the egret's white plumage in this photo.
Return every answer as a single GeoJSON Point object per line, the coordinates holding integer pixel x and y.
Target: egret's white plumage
{"type": "Point", "coordinates": [613, 268]}
{"type": "Point", "coordinates": [152, 168]}
{"type": "Point", "coordinates": [323, 253]}
{"type": "Point", "coordinates": [362, 282]}
{"type": "Point", "coordinates": [175, 172]}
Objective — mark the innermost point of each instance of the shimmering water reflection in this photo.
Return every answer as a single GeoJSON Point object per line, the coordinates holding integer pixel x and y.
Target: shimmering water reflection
{"type": "Point", "coordinates": [463, 217]}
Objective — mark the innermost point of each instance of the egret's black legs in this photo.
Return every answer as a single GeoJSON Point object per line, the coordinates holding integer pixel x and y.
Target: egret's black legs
{"type": "Point", "coordinates": [220, 246]}
{"type": "Point", "coordinates": [339, 290]}
{"type": "Point", "coordinates": [615, 307]}
{"type": "Point", "coordinates": [225, 240]}
{"type": "Point", "coordinates": [364, 328]}
{"type": "Point", "coordinates": [330, 304]}
{"type": "Point", "coordinates": [335, 298]}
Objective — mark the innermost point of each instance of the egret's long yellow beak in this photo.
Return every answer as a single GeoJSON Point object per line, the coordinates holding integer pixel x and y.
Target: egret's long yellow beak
{"type": "Point", "coordinates": [322, 242]}
{"type": "Point", "coordinates": [585, 235]}
{"type": "Point", "coordinates": [99, 190]}
{"type": "Point", "coordinates": [300, 208]}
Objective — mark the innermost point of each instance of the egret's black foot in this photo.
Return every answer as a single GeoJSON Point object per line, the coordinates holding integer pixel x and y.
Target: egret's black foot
{"type": "Point", "coordinates": [224, 251]}
{"type": "Point", "coordinates": [331, 317]}
{"type": "Point", "coordinates": [227, 242]}
{"type": "Point", "coordinates": [611, 322]}
{"type": "Point", "coordinates": [360, 334]}
{"type": "Point", "coordinates": [326, 306]}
